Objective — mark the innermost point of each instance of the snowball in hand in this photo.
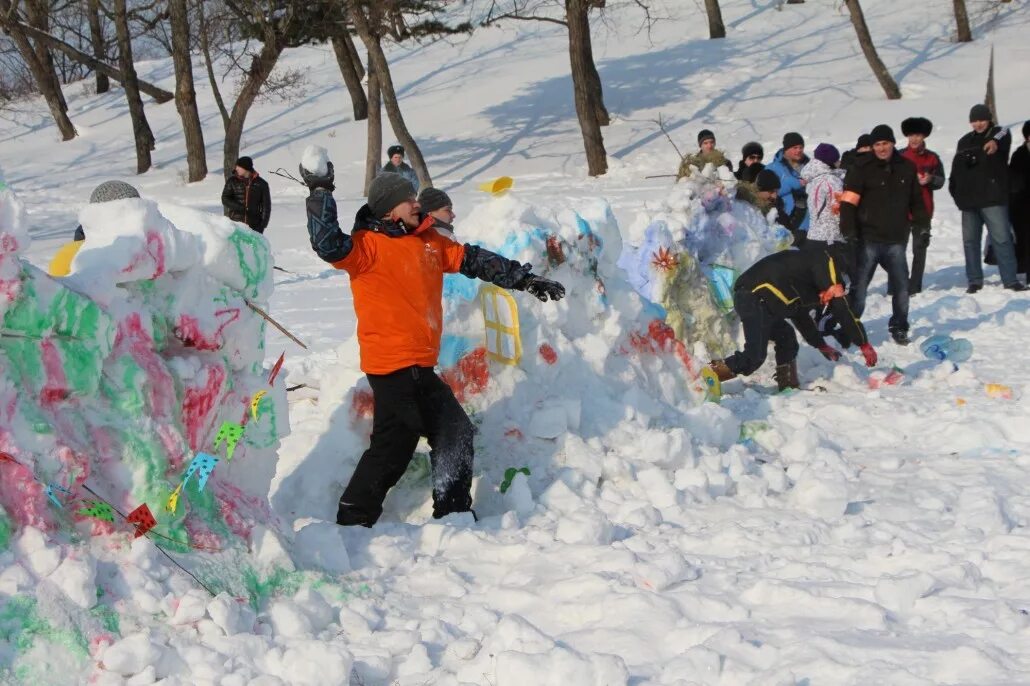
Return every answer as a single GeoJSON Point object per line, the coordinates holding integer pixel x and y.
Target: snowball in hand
{"type": "Point", "coordinates": [316, 160]}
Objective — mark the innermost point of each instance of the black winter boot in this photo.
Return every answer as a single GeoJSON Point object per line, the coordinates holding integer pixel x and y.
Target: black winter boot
{"type": "Point", "coordinates": [787, 375]}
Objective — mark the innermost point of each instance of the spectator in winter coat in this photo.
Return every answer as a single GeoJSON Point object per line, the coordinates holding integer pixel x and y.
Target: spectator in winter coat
{"type": "Point", "coordinates": [61, 264]}
{"type": "Point", "coordinates": [750, 162]}
{"type": "Point", "coordinates": [784, 286]}
{"type": "Point", "coordinates": [930, 174]}
{"type": "Point", "coordinates": [979, 185]}
{"type": "Point", "coordinates": [882, 199]}
{"type": "Point", "coordinates": [767, 185]}
{"type": "Point", "coordinates": [863, 148]}
{"type": "Point", "coordinates": [1019, 200]}
{"type": "Point", "coordinates": [396, 262]}
{"type": "Point", "coordinates": [397, 165]}
{"type": "Point", "coordinates": [246, 198]}
{"type": "Point", "coordinates": [824, 184]}
{"type": "Point", "coordinates": [787, 165]}
{"type": "Point", "coordinates": [437, 204]}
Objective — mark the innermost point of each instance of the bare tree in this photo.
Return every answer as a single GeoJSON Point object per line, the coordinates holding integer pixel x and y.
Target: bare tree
{"type": "Point", "coordinates": [38, 60]}
{"type": "Point", "coordinates": [989, 98]}
{"type": "Point", "coordinates": [716, 28]}
{"type": "Point", "coordinates": [352, 70]}
{"type": "Point", "coordinates": [185, 94]}
{"type": "Point", "coordinates": [140, 127]}
{"type": "Point", "coordinates": [371, 22]}
{"type": "Point", "coordinates": [965, 34]}
{"type": "Point", "coordinates": [98, 42]}
{"type": "Point", "coordinates": [577, 13]}
{"type": "Point", "coordinates": [374, 153]}
{"type": "Point", "coordinates": [865, 40]}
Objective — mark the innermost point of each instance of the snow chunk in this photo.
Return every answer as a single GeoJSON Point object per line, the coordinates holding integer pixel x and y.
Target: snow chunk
{"type": "Point", "coordinates": [320, 545]}
{"type": "Point", "coordinates": [132, 654]}
{"type": "Point", "coordinates": [316, 160]}
{"type": "Point", "coordinates": [76, 576]}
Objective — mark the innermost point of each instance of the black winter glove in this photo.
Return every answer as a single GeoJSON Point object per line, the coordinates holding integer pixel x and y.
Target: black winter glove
{"type": "Point", "coordinates": [921, 236]}
{"type": "Point", "coordinates": [542, 288]}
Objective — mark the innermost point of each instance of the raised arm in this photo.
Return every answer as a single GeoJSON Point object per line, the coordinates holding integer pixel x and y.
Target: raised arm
{"type": "Point", "coordinates": [327, 238]}
{"type": "Point", "coordinates": [480, 263]}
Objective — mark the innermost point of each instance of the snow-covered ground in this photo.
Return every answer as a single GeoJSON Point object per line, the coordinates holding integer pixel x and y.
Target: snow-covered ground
{"type": "Point", "coordinates": [862, 535]}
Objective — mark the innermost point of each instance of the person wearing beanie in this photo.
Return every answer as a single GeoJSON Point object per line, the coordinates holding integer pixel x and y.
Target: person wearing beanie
{"type": "Point", "coordinates": [706, 140]}
{"type": "Point", "coordinates": [979, 184]}
{"type": "Point", "coordinates": [766, 196]}
{"type": "Point", "coordinates": [246, 197]}
{"type": "Point", "coordinates": [397, 165]}
{"type": "Point", "coordinates": [863, 147]}
{"type": "Point", "coordinates": [882, 200]}
{"type": "Point", "coordinates": [824, 183]}
{"type": "Point", "coordinates": [930, 174]}
{"type": "Point", "coordinates": [1019, 200]}
{"type": "Point", "coordinates": [751, 156]}
{"type": "Point", "coordinates": [437, 204]}
{"type": "Point", "coordinates": [787, 165]}
{"type": "Point", "coordinates": [396, 262]}
{"type": "Point", "coordinates": [108, 191]}
{"type": "Point", "coordinates": [786, 287]}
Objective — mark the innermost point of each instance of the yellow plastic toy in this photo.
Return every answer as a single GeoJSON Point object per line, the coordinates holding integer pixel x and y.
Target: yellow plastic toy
{"type": "Point", "coordinates": [713, 387]}
{"type": "Point", "coordinates": [501, 318]}
{"type": "Point", "coordinates": [61, 265]}
{"type": "Point", "coordinates": [498, 186]}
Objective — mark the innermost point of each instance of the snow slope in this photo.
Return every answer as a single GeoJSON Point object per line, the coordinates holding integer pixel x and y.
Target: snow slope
{"type": "Point", "coordinates": [883, 540]}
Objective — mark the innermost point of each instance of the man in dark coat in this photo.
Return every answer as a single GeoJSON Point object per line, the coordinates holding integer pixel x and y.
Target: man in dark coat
{"type": "Point", "coordinates": [246, 197]}
{"type": "Point", "coordinates": [1019, 200]}
{"type": "Point", "coordinates": [863, 148]}
{"type": "Point", "coordinates": [882, 199]}
{"type": "Point", "coordinates": [930, 174]}
{"type": "Point", "coordinates": [750, 162]}
{"type": "Point", "coordinates": [784, 286]}
{"type": "Point", "coordinates": [979, 185]}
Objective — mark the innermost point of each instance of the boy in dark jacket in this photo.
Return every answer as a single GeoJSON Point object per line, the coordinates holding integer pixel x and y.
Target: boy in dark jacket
{"type": "Point", "coordinates": [788, 285]}
{"type": "Point", "coordinates": [930, 174]}
{"type": "Point", "coordinates": [750, 162]}
{"type": "Point", "coordinates": [863, 148]}
{"type": "Point", "coordinates": [882, 199]}
{"type": "Point", "coordinates": [979, 185]}
{"type": "Point", "coordinates": [396, 261]}
{"type": "Point", "coordinates": [1019, 200]}
{"type": "Point", "coordinates": [246, 197]}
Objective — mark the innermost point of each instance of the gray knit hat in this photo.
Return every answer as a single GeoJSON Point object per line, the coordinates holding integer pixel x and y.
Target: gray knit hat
{"type": "Point", "coordinates": [433, 199]}
{"type": "Point", "coordinates": [388, 190]}
{"type": "Point", "coordinates": [112, 190]}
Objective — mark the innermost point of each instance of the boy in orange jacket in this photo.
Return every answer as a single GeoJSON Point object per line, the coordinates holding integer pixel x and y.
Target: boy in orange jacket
{"type": "Point", "coordinates": [396, 261]}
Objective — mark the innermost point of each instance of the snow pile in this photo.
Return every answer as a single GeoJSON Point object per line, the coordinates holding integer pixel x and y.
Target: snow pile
{"type": "Point", "coordinates": [687, 254]}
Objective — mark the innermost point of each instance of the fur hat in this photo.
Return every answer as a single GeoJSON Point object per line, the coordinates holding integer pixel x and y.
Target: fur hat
{"type": "Point", "coordinates": [112, 190]}
{"type": "Point", "coordinates": [917, 125]}
{"type": "Point", "coordinates": [395, 150]}
{"type": "Point", "coordinates": [387, 191]}
{"type": "Point", "coordinates": [767, 180]}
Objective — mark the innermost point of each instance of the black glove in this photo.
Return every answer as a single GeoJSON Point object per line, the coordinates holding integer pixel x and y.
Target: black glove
{"type": "Point", "coordinates": [542, 288]}
{"type": "Point", "coordinates": [921, 236]}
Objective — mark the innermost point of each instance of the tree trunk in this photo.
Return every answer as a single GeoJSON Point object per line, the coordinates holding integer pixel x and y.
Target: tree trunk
{"type": "Point", "coordinates": [260, 68]}
{"type": "Point", "coordinates": [355, 58]}
{"type": "Point", "coordinates": [210, 65]}
{"type": "Point", "coordinates": [890, 86]}
{"type": "Point", "coordinates": [989, 97]}
{"type": "Point", "coordinates": [378, 64]}
{"type": "Point", "coordinates": [593, 79]}
{"type": "Point", "coordinates": [374, 154]}
{"type": "Point", "coordinates": [716, 29]}
{"type": "Point", "coordinates": [44, 80]}
{"type": "Point", "coordinates": [965, 34]}
{"type": "Point", "coordinates": [576, 12]}
{"type": "Point", "coordinates": [351, 75]}
{"type": "Point", "coordinates": [140, 128]}
{"type": "Point", "coordinates": [37, 12]}
{"type": "Point", "coordinates": [158, 94]}
{"type": "Point", "coordinates": [96, 38]}
{"type": "Point", "coordinates": [185, 94]}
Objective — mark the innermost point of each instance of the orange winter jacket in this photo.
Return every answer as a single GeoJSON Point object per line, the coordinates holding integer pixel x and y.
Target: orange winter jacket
{"type": "Point", "coordinates": [398, 295]}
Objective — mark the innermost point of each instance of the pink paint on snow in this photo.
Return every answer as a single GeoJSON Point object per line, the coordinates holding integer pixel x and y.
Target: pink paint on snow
{"type": "Point", "coordinates": [188, 330]}
{"type": "Point", "coordinates": [154, 251]}
{"type": "Point", "coordinates": [134, 339]}
{"type": "Point", "coordinates": [23, 498]}
{"type": "Point", "coordinates": [197, 404]}
{"type": "Point", "coordinates": [56, 387]}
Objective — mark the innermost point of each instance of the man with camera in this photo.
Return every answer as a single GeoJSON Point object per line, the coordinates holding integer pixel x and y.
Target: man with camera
{"type": "Point", "coordinates": [979, 185]}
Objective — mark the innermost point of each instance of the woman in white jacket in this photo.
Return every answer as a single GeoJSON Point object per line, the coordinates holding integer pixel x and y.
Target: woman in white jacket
{"type": "Point", "coordinates": [824, 183]}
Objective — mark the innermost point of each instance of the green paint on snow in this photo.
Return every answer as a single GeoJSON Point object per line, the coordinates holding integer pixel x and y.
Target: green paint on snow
{"type": "Point", "coordinates": [107, 617]}
{"type": "Point", "coordinates": [252, 256]}
{"type": "Point", "coordinates": [261, 588]}
{"type": "Point", "coordinates": [5, 530]}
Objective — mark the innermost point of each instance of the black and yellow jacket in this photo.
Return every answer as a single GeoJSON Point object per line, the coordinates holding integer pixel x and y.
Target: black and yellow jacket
{"type": "Point", "coordinates": [792, 283]}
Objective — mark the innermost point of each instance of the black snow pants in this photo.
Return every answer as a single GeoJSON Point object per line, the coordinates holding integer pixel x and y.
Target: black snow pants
{"type": "Point", "coordinates": [760, 327]}
{"type": "Point", "coordinates": [410, 403]}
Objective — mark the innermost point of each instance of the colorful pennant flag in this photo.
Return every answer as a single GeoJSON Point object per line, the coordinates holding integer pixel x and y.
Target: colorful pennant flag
{"type": "Point", "coordinates": [203, 464]}
{"type": "Point", "coordinates": [255, 401]}
{"type": "Point", "coordinates": [50, 488]}
{"type": "Point", "coordinates": [143, 518]}
{"type": "Point", "coordinates": [275, 369]}
{"type": "Point", "coordinates": [173, 499]}
{"type": "Point", "coordinates": [99, 510]}
{"type": "Point", "coordinates": [231, 434]}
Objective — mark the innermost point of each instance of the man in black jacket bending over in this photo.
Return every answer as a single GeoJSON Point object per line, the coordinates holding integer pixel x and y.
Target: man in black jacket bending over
{"type": "Point", "coordinates": [979, 185]}
{"type": "Point", "coordinates": [882, 200]}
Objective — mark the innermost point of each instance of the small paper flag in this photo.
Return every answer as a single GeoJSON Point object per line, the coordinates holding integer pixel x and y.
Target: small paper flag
{"type": "Point", "coordinates": [98, 510]}
{"type": "Point", "coordinates": [275, 369]}
{"type": "Point", "coordinates": [255, 401]}
{"type": "Point", "coordinates": [143, 518]}
{"type": "Point", "coordinates": [203, 464]}
{"type": "Point", "coordinates": [231, 434]}
{"type": "Point", "coordinates": [173, 499]}
{"type": "Point", "coordinates": [50, 488]}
